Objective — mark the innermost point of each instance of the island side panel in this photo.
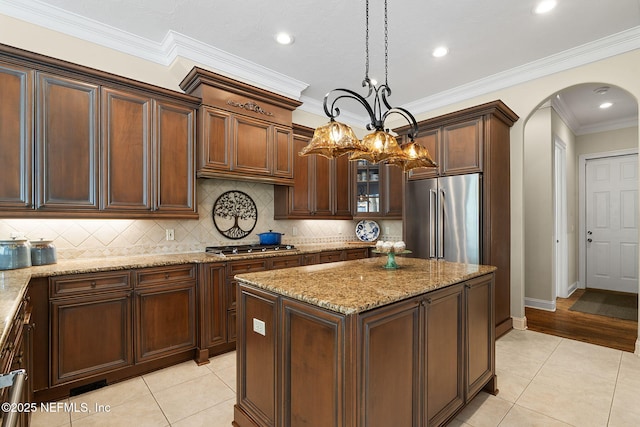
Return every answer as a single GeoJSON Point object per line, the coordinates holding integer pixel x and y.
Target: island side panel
{"type": "Point", "coordinates": [256, 359]}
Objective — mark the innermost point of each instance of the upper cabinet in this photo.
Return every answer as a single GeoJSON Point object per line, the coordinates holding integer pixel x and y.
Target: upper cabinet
{"type": "Point", "coordinates": [16, 136]}
{"type": "Point", "coordinates": [244, 132]}
{"type": "Point", "coordinates": [321, 186]}
{"type": "Point", "coordinates": [378, 190]}
{"type": "Point", "coordinates": [78, 142]}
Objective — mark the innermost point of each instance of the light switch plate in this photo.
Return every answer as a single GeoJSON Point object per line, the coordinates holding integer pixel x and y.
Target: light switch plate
{"type": "Point", "coordinates": [259, 327]}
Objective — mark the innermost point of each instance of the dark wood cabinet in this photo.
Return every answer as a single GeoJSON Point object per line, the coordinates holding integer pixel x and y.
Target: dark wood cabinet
{"type": "Point", "coordinates": [321, 186]}
{"type": "Point", "coordinates": [445, 353]}
{"type": "Point", "coordinates": [174, 159]}
{"type": "Point", "coordinates": [457, 148]}
{"type": "Point", "coordinates": [377, 190]}
{"type": "Point", "coordinates": [16, 136]}
{"type": "Point", "coordinates": [415, 362]}
{"type": "Point", "coordinates": [165, 311]}
{"type": "Point", "coordinates": [244, 132]}
{"type": "Point", "coordinates": [476, 140]}
{"type": "Point", "coordinates": [212, 310]}
{"type": "Point", "coordinates": [480, 336]}
{"type": "Point", "coordinates": [91, 325]}
{"type": "Point", "coordinates": [391, 375]}
{"type": "Point", "coordinates": [78, 142]}
{"type": "Point", "coordinates": [126, 150]}
{"type": "Point", "coordinates": [67, 147]}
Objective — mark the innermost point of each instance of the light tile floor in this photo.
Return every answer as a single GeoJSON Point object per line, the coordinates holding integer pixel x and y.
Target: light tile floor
{"type": "Point", "coordinates": [543, 380]}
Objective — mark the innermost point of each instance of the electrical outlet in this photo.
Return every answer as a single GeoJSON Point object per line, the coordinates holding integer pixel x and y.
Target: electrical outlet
{"type": "Point", "coordinates": [170, 234]}
{"type": "Point", "coordinates": [259, 327]}
{"type": "Point", "coordinates": [294, 231]}
{"type": "Point", "coordinates": [386, 231]}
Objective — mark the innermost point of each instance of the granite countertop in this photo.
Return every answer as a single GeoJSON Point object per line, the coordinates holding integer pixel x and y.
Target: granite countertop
{"type": "Point", "coordinates": [13, 283]}
{"type": "Point", "coordinates": [350, 287]}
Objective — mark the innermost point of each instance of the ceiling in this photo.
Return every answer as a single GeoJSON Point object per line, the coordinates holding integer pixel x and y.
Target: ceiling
{"type": "Point", "coordinates": [493, 44]}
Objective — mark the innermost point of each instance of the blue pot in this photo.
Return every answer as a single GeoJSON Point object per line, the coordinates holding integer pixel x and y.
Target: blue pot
{"type": "Point", "coordinates": [270, 238]}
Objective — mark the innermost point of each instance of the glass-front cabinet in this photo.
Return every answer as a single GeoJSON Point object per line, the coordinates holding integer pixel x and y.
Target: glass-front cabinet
{"type": "Point", "coordinates": [378, 190]}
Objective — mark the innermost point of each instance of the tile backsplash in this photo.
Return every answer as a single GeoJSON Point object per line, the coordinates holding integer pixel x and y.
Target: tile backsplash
{"type": "Point", "coordinates": [90, 238]}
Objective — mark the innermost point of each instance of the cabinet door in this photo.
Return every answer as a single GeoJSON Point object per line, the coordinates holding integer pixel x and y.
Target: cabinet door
{"type": "Point", "coordinates": [165, 320]}
{"type": "Point", "coordinates": [67, 143]}
{"type": "Point", "coordinates": [16, 136]}
{"type": "Point", "coordinates": [174, 158]}
{"type": "Point", "coordinates": [391, 198]}
{"type": "Point", "coordinates": [214, 145]}
{"type": "Point", "coordinates": [389, 379]}
{"type": "Point", "coordinates": [341, 187]}
{"type": "Point", "coordinates": [300, 195]}
{"type": "Point", "coordinates": [480, 333]}
{"type": "Point", "coordinates": [213, 312]}
{"type": "Point", "coordinates": [462, 147]}
{"type": "Point", "coordinates": [313, 352]}
{"type": "Point", "coordinates": [444, 353]}
{"type": "Point", "coordinates": [282, 152]}
{"type": "Point", "coordinates": [90, 335]}
{"type": "Point", "coordinates": [367, 189]}
{"type": "Point", "coordinates": [432, 140]}
{"type": "Point", "coordinates": [253, 146]}
{"type": "Point", "coordinates": [126, 150]}
{"type": "Point", "coordinates": [322, 204]}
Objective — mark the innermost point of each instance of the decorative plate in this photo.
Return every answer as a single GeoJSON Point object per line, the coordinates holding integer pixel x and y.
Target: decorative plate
{"type": "Point", "coordinates": [234, 214]}
{"type": "Point", "coordinates": [367, 231]}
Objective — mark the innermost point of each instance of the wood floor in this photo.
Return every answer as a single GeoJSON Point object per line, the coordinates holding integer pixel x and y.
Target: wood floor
{"type": "Point", "coordinates": [601, 330]}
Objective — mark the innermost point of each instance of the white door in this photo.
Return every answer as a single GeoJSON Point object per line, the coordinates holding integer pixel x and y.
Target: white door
{"type": "Point", "coordinates": [612, 223]}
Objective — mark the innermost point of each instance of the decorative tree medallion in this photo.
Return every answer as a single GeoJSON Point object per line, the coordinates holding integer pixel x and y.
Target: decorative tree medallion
{"type": "Point", "coordinates": [234, 214]}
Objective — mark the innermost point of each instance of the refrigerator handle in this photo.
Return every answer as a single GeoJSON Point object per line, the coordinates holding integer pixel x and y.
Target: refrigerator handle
{"type": "Point", "coordinates": [441, 224]}
{"type": "Point", "coordinates": [433, 223]}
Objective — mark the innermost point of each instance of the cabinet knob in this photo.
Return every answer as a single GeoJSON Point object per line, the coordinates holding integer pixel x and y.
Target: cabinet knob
{"type": "Point", "coordinates": [93, 284]}
{"type": "Point", "coordinates": [428, 300]}
{"type": "Point", "coordinates": [166, 275]}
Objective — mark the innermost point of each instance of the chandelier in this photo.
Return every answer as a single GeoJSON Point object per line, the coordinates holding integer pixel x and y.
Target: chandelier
{"type": "Point", "coordinates": [335, 139]}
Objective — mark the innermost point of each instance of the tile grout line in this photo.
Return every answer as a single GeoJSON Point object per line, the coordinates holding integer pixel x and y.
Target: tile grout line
{"type": "Point", "coordinates": [615, 388]}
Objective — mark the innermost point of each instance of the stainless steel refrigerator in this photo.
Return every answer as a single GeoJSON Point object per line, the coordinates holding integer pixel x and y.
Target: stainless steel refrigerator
{"type": "Point", "coordinates": [442, 218]}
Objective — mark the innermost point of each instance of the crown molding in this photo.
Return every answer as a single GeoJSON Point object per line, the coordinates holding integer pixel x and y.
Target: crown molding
{"type": "Point", "coordinates": [172, 46]}
{"type": "Point", "coordinates": [606, 47]}
{"type": "Point", "coordinates": [176, 45]}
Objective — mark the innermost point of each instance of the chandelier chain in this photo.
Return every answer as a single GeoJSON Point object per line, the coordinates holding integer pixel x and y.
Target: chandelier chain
{"type": "Point", "coordinates": [366, 48]}
{"type": "Point", "coordinates": [386, 45]}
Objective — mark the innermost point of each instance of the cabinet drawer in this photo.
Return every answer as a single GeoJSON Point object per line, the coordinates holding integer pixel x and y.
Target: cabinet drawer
{"type": "Point", "coordinates": [330, 256]}
{"type": "Point", "coordinates": [164, 275]}
{"type": "Point", "coordinates": [310, 259]}
{"type": "Point", "coordinates": [88, 283]}
{"type": "Point", "coordinates": [285, 262]}
{"type": "Point", "coordinates": [359, 253]}
{"type": "Point", "coordinates": [247, 266]}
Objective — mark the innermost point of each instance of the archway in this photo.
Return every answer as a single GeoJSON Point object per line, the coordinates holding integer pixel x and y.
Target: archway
{"type": "Point", "coordinates": [568, 116]}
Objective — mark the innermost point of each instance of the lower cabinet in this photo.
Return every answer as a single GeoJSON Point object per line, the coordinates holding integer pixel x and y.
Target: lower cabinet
{"type": "Point", "coordinates": [165, 311]}
{"type": "Point", "coordinates": [16, 354]}
{"type": "Point", "coordinates": [118, 321]}
{"type": "Point", "coordinates": [416, 362]}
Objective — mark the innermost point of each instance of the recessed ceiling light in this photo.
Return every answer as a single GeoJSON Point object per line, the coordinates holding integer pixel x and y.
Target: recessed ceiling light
{"type": "Point", "coordinates": [545, 6]}
{"type": "Point", "coordinates": [284, 38]}
{"type": "Point", "coordinates": [605, 105]}
{"type": "Point", "coordinates": [440, 51]}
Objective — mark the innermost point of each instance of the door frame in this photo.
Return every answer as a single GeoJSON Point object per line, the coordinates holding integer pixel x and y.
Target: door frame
{"type": "Point", "coordinates": [582, 209]}
{"type": "Point", "coordinates": [560, 247]}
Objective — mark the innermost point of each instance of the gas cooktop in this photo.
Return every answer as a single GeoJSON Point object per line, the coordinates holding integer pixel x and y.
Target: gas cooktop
{"type": "Point", "coordinates": [246, 249]}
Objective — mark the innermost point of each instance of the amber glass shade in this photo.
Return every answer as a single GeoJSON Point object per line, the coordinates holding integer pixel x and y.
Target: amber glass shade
{"type": "Point", "coordinates": [332, 140]}
{"type": "Point", "coordinates": [378, 146]}
{"type": "Point", "coordinates": [413, 156]}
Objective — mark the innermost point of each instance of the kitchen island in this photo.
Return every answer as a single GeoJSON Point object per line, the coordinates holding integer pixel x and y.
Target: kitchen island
{"type": "Point", "coordinates": [354, 344]}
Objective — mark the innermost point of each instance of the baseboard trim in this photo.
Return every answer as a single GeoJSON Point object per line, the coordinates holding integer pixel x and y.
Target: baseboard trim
{"type": "Point", "coordinates": [519, 323]}
{"type": "Point", "coordinates": [540, 304]}
{"type": "Point", "coordinates": [637, 352]}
